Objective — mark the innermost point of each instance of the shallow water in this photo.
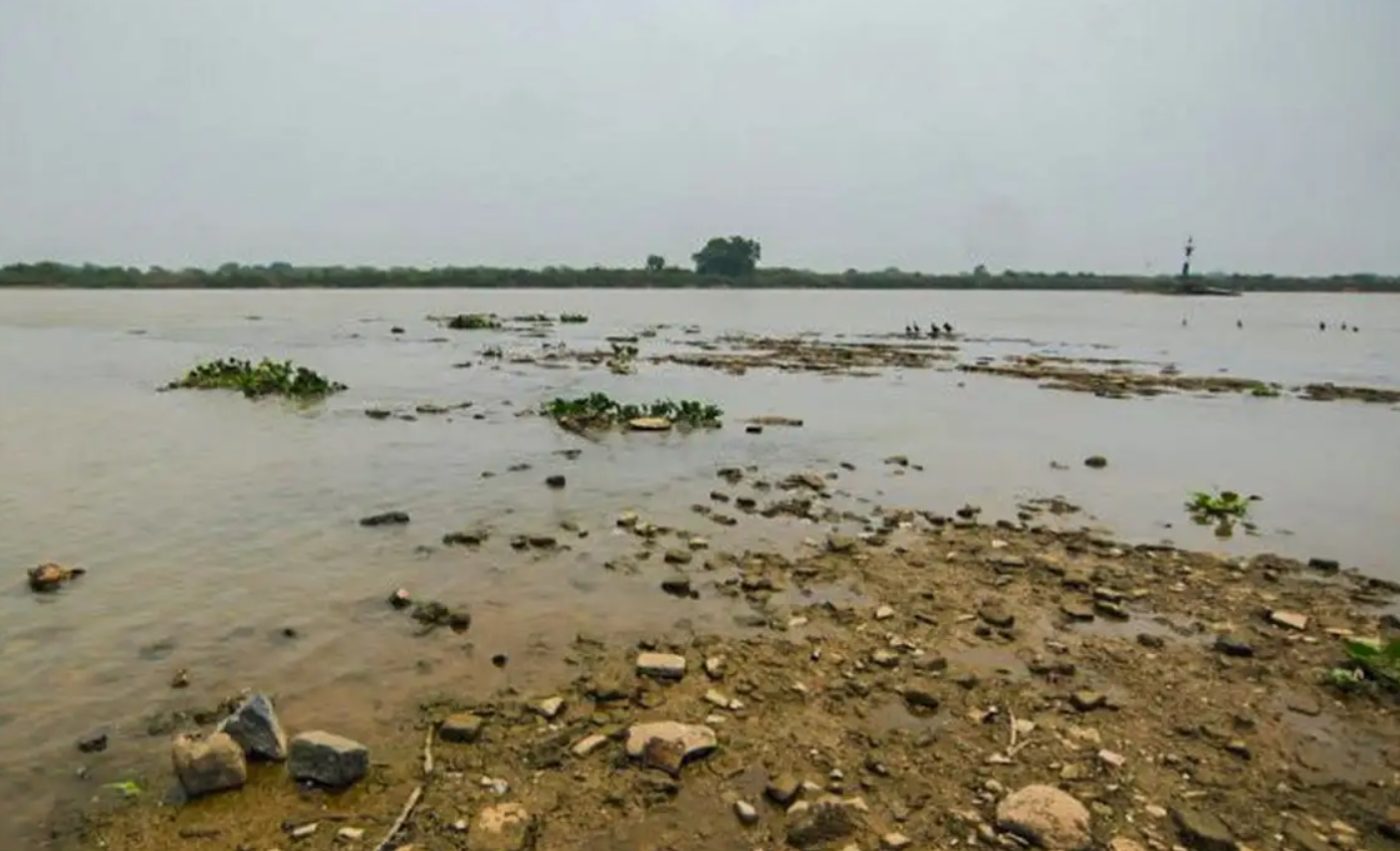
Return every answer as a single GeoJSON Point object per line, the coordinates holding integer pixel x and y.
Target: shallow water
{"type": "Point", "coordinates": [209, 523]}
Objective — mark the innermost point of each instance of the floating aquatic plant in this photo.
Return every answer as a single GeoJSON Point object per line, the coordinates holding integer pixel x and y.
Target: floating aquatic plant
{"type": "Point", "coordinates": [1224, 509]}
{"type": "Point", "coordinates": [1216, 506]}
{"type": "Point", "coordinates": [473, 321]}
{"type": "Point", "coordinates": [265, 378]}
{"type": "Point", "coordinates": [600, 411]}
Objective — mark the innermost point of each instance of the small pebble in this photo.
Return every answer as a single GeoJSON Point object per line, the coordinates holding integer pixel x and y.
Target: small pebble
{"type": "Point", "coordinates": [746, 812]}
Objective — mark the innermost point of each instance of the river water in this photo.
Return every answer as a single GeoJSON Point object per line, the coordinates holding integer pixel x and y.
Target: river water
{"type": "Point", "coordinates": [209, 524]}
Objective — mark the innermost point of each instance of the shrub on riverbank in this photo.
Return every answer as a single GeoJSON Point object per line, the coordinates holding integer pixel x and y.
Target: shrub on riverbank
{"type": "Point", "coordinates": [265, 378]}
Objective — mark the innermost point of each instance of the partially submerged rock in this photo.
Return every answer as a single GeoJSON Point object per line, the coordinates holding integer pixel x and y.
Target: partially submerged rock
{"type": "Point", "coordinates": [434, 614]}
{"type": "Point", "coordinates": [387, 518]}
{"type": "Point", "coordinates": [1045, 816]}
{"type": "Point", "coordinates": [471, 538]}
{"type": "Point", "coordinates": [772, 420]}
{"type": "Point", "coordinates": [50, 575]}
{"type": "Point", "coordinates": [327, 759]}
{"type": "Point", "coordinates": [649, 424]}
{"type": "Point", "coordinates": [206, 764]}
{"type": "Point", "coordinates": [255, 727]}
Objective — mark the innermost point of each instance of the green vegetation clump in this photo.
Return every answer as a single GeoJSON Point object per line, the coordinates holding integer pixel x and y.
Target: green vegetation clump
{"type": "Point", "coordinates": [573, 318]}
{"type": "Point", "coordinates": [265, 378]}
{"type": "Point", "coordinates": [1369, 661]}
{"type": "Point", "coordinates": [473, 321]}
{"type": "Point", "coordinates": [1217, 506]}
{"type": "Point", "coordinates": [598, 411]}
{"type": "Point", "coordinates": [1264, 391]}
{"type": "Point", "coordinates": [1224, 509]}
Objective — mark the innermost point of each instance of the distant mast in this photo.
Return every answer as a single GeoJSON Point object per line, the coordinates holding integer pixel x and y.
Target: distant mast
{"type": "Point", "coordinates": [1186, 263]}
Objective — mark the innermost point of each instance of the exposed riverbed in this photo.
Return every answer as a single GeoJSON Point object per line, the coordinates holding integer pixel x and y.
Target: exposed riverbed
{"type": "Point", "coordinates": [210, 525]}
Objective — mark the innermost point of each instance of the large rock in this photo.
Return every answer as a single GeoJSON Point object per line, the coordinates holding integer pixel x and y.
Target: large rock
{"type": "Point", "coordinates": [668, 744]}
{"type": "Point", "coordinates": [255, 727]}
{"type": "Point", "coordinates": [208, 764]}
{"type": "Point", "coordinates": [1045, 816]}
{"type": "Point", "coordinates": [822, 824]}
{"type": "Point", "coordinates": [503, 827]}
{"type": "Point", "coordinates": [327, 759]}
{"type": "Point", "coordinates": [1201, 830]}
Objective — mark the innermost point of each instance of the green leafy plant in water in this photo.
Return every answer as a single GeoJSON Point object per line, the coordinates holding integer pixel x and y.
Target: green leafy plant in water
{"type": "Point", "coordinates": [1224, 509]}
{"type": "Point", "coordinates": [1214, 506]}
{"type": "Point", "coordinates": [1379, 662]}
{"type": "Point", "coordinates": [473, 321]}
{"type": "Point", "coordinates": [265, 378]}
{"type": "Point", "coordinates": [1264, 391]}
{"type": "Point", "coordinates": [127, 788]}
{"type": "Point", "coordinates": [600, 411]}
{"type": "Point", "coordinates": [573, 318]}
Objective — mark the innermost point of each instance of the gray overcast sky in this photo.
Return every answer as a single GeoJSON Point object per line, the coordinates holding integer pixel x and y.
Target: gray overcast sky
{"type": "Point", "coordinates": [1047, 134]}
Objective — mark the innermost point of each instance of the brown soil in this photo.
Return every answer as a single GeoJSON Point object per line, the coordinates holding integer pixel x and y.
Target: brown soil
{"type": "Point", "coordinates": [977, 659]}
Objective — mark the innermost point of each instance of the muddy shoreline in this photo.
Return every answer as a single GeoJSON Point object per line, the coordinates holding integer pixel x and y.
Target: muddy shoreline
{"type": "Point", "coordinates": [966, 659]}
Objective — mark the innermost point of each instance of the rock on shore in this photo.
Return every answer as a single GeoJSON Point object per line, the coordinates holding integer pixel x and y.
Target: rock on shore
{"type": "Point", "coordinates": [668, 744]}
{"type": "Point", "coordinates": [254, 726]}
{"type": "Point", "coordinates": [208, 764]}
{"type": "Point", "coordinates": [1045, 816]}
{"type": "Point", "coordinates": [666, 666]}
{"type": "Point", "coordinates": [503, 827]}
{"type": "Point", "coordinates": [327, 759]}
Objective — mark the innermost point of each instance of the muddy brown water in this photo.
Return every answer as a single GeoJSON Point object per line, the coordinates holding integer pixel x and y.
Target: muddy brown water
{"type": "Point", "coordinates": [209, 524]}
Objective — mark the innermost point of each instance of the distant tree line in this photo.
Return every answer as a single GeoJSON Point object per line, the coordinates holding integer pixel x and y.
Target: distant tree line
{"type": "Point", "coordinates": [285, 276]}
{"type": "Point", "coordinates": [722, 262]}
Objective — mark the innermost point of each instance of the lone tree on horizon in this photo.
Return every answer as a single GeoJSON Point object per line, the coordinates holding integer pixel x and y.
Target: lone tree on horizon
{"type": "Point", "coordinates": [732, 258]}
{"type": "Point", "coordinates": [655, 263]}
